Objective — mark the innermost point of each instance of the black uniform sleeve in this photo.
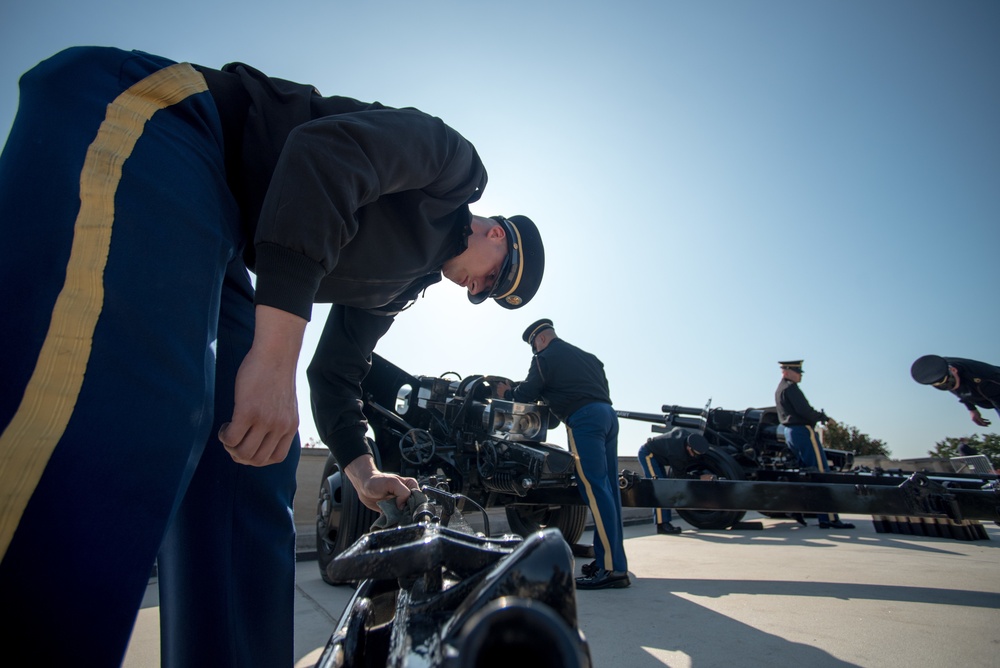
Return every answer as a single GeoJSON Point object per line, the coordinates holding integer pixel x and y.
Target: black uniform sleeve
{"type": "Point", "coordinates": [980, 383]}
{"type": "Point", "coordinates": [530, 389]}
{"type": "Point", "coordinates": [671, 448]}
{"type": "Point", "coordinates": [331, 167]}
{"type": "Point", "coordinates": [340, 364]}
{"type": "Point", "coordinates": [969, 406]}
{"type": "Point", "coordinates": [801, 407]}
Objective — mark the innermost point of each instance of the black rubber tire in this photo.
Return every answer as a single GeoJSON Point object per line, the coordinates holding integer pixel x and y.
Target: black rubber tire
{"type": "Point", "coordinates": [352, 521]}
{"type": "Point", "coordinates": [724, 467]}
{"type": "Point", "coordinates": [570, 520]}
{"type": "Point", "coordinates": [324, 548]}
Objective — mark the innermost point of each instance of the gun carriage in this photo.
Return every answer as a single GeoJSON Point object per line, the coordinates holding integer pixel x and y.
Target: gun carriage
{"type": "Point", "coordinates": [752, 468]}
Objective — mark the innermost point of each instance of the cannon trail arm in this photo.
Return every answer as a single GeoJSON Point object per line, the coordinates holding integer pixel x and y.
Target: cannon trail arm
{"type": "Point", "coordinates": [917, 496]}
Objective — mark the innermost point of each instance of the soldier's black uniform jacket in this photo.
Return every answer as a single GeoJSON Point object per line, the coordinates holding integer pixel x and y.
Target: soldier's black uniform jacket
{"type": "Point", "coordinates": [347, 202]}
{"type": "Point", "coordinates": [979, 383]}
{"type": "Point", "coordinates": [671, 447]}
{"type": "Point", "coordinates": [565, 378]}
{"type": "Point", "coordinates": [793, 407]}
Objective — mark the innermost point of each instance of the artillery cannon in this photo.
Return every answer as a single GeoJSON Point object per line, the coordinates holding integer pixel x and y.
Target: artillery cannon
{"type": "Point", "coordinates": [752, 468]}
{"type": "Point", "coordinates": [450, 431]}
{"type": "Point", "coordinates": [746, 445]}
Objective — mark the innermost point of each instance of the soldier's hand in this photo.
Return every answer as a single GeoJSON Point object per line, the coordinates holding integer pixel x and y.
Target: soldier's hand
{"type": "Point", "coordinates": [266, 412]}
{"type": "Point", "coordinates": [265, 416]}
{"type": "Point", "coordinates": [979, 419]}
{"type": "Point", "coordinates": [373, 485]}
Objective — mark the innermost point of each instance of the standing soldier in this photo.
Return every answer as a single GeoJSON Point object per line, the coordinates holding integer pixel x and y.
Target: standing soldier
{"type": "Point", "coordinates": [572, 383]}
{"type": "Point", "coordinates": [799, 419]}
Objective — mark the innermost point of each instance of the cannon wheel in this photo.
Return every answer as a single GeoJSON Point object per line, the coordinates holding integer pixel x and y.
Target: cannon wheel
{"type": "Point", "coordinates": [525, 520]}
{"type": "Point", "coordinates": [724, 467]}
{"type": "Point", "coordinates": [341, 519]}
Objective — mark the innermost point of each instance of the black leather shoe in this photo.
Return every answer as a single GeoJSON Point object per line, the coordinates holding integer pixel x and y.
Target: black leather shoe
{"type": "Point", "coordinates": [836, 524]}
{"type": "Point", "coordinates": [589, 569]}
{"type": "Point", "coordinates": [667, 529]}
{"type": "Point", "coordinates": [603, 579]}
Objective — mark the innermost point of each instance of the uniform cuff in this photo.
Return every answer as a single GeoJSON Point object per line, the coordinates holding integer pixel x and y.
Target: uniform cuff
{"type": "Point", "coordinates": [286, 280]}
{"type": "Point", "coordinates": [348, 444]}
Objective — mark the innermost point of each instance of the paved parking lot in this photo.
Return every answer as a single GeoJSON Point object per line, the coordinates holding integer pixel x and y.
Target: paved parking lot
{"type": "Point", "coordinates": [785, 595]}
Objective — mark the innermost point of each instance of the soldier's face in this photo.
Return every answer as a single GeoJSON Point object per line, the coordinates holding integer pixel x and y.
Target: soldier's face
{"type": "Point", "coordinates": [477, 268]}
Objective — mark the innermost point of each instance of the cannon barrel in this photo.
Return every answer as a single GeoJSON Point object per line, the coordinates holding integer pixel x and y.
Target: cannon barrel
{"type": "Point", "coordinates": [664, 422]}
{"type": "Point", "coordinates": [682, 410]}
{"type": "Point", "coordinates": [686, 422]}
{"type": "Point", "coordinates": [644, 417]}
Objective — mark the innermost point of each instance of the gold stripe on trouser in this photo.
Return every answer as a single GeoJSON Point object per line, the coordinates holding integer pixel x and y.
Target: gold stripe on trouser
{"type": "Point", "coordinates": [592, 502]}
{"type": "Point", "coordinates": [657, 512]}
{"type": "Point", "coordinates": [820, 459]}
{"type": "Point", "coordinates": [817, 450]}
{"type": "Point", "coordinates": [51, 394]}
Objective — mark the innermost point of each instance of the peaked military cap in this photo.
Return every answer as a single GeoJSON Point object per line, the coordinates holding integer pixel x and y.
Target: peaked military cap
{"type": "Point", "coordinates": [522, 269]}
{"type": "Point", "coordinates": [931, 370]}
{"type": "Point", "coordinates": [535, 328]}
{"type": "Point", "coordinates": [792, 365]}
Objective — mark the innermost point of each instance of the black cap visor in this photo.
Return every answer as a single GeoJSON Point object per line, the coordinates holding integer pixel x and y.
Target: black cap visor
{"type": "Point", "coordinates": [946, 384]}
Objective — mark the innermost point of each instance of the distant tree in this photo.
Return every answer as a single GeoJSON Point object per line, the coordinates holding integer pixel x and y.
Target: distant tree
{"type": "Point", "coordinates": [986, 444]}
{"type": "Point", "coordinates": [840, 436]}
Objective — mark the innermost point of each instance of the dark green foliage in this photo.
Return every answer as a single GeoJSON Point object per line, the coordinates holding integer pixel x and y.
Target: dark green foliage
{"type": "Point", "coordinates": [840, 436]}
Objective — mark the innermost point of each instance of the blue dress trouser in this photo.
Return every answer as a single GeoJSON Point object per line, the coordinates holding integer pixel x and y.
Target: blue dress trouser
{"type": "Point", "coordinates": [593, 440]}
{"type": "Point", "coordinates": [652, 468]}
{"type": "Point", "coordinates": [803, 441]}
{"type": "Point", "coordinates": [125, 311]}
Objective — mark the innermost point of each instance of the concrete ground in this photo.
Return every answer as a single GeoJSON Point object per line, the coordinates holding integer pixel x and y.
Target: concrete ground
{"type": "Point", "coordinates": [785, 595]}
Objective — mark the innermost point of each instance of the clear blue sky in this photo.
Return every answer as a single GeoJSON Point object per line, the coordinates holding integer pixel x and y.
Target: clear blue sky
{"type": "Point", "coordinates": [720, 185]}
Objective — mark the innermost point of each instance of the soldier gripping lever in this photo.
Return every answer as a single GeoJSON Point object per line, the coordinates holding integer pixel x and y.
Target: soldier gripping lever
{"type": "Point", "coordinates": [147, 382]}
